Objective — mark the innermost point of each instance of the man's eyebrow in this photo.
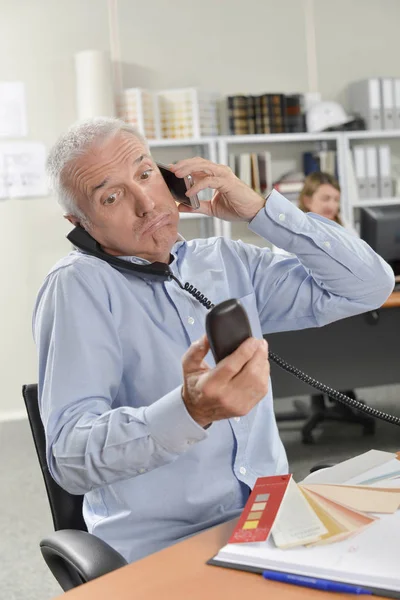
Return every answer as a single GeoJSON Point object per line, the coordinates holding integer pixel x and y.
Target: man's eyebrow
{"type": "Point", "coordinates": [100, 185]}
{"type": "Point", "coordinates": [140, 159]}
{"type": "Point", "coordinates": [106, 180]}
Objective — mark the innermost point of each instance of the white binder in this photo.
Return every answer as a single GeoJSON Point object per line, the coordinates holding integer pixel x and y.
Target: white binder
{"type": "Point", "coordinates": [396, 96]}
{"type": "Point", "coordinates": [387, 103]}
{"type": "Point", "coordinates": [384, 172]}
{"type": "Point", "coordinates": [365, 100]}
{"type": "Point", "coordinates": [371, 154]}
{"type": "Point", "coordinates": [360, 171]}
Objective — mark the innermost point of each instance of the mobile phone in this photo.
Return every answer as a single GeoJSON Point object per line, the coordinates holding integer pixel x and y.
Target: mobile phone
{"type": "Point", "coordinates": [179, 186]}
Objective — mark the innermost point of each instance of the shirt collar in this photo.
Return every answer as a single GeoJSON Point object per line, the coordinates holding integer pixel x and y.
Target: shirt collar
{"type": "Point", "coordinates": [143, 261]}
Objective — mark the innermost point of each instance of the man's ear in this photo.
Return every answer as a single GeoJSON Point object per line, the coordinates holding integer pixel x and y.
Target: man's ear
{"type": "Point", "coordinates": [72, 219]}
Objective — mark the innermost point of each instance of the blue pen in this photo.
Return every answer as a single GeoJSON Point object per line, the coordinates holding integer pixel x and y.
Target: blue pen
{"type": "Point", "coordinates": [317, 584]}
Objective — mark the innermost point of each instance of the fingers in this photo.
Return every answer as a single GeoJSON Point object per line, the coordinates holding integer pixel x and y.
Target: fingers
{"type": "Point", "coordinates": [230, 367]}
{"type": "Point", "coordinates": [208, 182]}
{"type": "Point", "coordinates": [204, 208]}
{"type": "Point", "coordinates": [189, 166]}
{"type": "Point", "coordinates": [192, 360]}
{"type": "Point", "coordinates": [255, 373]}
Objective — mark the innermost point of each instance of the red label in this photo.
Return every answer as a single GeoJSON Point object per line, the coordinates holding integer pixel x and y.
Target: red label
{"type": "Point", "coordinates": [259, 514]}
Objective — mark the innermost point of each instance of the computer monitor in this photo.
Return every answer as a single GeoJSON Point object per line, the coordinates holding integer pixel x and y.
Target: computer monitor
{"type": "Point", "coordinates": [380, 228]}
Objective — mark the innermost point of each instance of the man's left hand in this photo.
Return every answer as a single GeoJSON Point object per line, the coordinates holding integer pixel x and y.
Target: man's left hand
{"type": "Point", "coordinates": [233, 200]}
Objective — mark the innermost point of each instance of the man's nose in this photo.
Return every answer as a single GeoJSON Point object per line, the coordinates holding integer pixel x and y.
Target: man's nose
{"type": "Point", "coordinates": [142, 201]}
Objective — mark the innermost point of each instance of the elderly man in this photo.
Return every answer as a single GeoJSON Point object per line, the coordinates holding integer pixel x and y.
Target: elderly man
{"type": "Point", "coordinates": [138, 418]}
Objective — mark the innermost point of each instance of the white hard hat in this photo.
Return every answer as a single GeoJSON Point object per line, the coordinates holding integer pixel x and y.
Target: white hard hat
{"type": "Point", "coordinates": [324, 115]}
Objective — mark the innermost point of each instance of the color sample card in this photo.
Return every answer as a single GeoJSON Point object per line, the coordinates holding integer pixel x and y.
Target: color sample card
{"type": "Point", "coordinates": [261, 509]}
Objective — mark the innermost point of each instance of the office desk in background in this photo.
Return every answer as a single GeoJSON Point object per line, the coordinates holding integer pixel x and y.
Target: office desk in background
{"type": "Point", "coordinates": [181, 573]}
{"type": "Point", "coordinates": [361, 351]}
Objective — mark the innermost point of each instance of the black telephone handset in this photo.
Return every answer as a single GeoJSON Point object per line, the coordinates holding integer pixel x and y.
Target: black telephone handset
{"type": "Point", "coordinates": [228, 316]}
{"type": "Point", "coordinates": [81, 239]}
{"type": "Point", "coordinates": [227, 324]}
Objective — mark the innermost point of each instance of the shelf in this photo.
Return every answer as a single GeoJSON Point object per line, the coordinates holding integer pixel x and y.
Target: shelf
{"type": "Point", "coordinates": [371, 134]}
{"type": "Point", "coordinates": [369, 202]}
{"type": "Point", "coordinates": [193, 216]}
{"type": "Point", "coordinates": [279, 138]}
{"type": "Point", "coordinates": [165, 142]}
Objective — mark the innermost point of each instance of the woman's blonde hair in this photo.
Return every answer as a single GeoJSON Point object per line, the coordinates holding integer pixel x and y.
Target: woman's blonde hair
{"type": "Point", "coordinates": [311, 184]}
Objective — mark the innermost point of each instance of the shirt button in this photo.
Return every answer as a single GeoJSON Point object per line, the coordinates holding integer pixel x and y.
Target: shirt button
{"type": "Point", "coordinates": [242, 470]}
{"type": "Point", "coordinates": [282, 217]}
{"type": "Point", "coordinates": [190, 320]}
{"type": "Point", "coordinates": [327, 244]}
{"type": "Point", "coordinates": [237, 419]}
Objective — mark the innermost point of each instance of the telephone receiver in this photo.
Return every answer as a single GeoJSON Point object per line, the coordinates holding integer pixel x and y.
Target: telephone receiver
{"type": "Point", "coordinates": [227, 324]}
{"type": "Point", "coordinates": [81, 239]}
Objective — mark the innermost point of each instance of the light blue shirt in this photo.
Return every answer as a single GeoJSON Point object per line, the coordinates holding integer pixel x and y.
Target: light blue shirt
{"type": "Point", "coordinates": [110, 347]}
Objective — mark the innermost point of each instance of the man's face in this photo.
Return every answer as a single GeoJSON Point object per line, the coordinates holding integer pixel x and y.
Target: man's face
{"type": "Point", "coordinates": [129, 208]}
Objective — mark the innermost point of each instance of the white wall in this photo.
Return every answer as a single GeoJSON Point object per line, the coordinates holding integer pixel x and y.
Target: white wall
{"type": "Point", "coordinates": [38, 39]}
{"type": "Point", "coordinates": [231, 46]}
{"type": "Point", "coordinates": [227, 45]}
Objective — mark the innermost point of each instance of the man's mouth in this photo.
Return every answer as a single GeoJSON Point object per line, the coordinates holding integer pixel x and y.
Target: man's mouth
{"type": "Point", "coordinates": [156, 223]}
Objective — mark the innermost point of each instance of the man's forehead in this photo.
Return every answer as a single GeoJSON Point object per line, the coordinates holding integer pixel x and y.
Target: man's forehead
{"type": "Point", "coordinates": [120, 146]}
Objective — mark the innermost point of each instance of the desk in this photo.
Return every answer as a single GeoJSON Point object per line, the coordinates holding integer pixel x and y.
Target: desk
{"type": "Point", "coordinates": [180, 573]}
{"type": "Point", "coordinates": [360, 351]}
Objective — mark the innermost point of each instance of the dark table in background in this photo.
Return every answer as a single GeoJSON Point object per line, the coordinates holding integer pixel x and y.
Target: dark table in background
{"type": "Point", "coordinates": [361, 351]}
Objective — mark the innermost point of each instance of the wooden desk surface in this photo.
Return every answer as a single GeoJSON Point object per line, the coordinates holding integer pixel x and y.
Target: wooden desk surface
{"type": "Point", "coordinates": [393, 300]}
{"type": "Point", "coordinates": [180, 573]}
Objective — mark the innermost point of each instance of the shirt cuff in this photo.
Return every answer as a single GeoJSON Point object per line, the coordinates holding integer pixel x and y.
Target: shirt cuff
{"type": "Point", "coordinates": [279, 219]}
{"type": "Point", "coordinates": [171, 425]}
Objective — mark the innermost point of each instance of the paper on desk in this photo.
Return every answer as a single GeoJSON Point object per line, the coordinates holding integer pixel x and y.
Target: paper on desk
{"type": "Point", "coordinates": [349, 521]}
{"type": "Point", "coordinates": [13, 120]}
{"type": "Point", "coordinates": [296, 523]}
{"type": "Point", "coordinates": [335, 531]}
{"type": "Point", "coordinates": [361, 498]}
{"type": "Point", "coordinates": [348, 469]}
{"type": "Point", "coordinates": [375, 476]}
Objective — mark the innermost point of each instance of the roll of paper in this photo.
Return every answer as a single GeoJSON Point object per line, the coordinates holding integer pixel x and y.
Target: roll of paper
{"type": "Point", "coordinates": [94, 86]}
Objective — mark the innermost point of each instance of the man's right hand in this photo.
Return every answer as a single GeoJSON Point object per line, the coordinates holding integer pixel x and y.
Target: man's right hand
{"type": "Point", "coordinates": [232, 388]}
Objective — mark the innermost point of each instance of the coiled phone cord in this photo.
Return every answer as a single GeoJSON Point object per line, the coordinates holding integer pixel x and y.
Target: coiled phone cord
{"type": "Point", "coordinates": [321, 387]}
{"type": "Point", "coordinates": [373, 412]}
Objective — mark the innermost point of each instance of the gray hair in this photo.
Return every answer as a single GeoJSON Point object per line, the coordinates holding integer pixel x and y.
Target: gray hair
{"type": "Point", "coordinates": [74, 143]}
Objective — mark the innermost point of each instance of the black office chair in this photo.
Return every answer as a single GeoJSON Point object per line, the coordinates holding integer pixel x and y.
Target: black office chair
{"type": "Point", "coordinates": [73, 555]}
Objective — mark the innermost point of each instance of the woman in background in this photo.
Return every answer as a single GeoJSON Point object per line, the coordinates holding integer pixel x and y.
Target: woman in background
{"type": "Point", "coordinates": [321, 195]}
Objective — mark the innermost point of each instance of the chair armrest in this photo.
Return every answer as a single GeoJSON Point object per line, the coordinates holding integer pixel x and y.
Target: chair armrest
{"type": "Point", "coordinates": [75, 557]}
{"type": "Point", "coordinates": [319, 466]}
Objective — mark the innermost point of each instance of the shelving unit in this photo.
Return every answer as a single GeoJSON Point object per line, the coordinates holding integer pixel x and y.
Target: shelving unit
{"type": "Point", "coordinates": [350, 197]}
{"type": "Point", "coordinates": [290, 146]}
{"type": "Point", "coordinates": [303, 141]}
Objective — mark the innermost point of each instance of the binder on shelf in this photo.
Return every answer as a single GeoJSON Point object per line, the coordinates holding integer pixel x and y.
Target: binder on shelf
{"type": "Point", "coordinates": [396, 97]}
{"type": "Point", "coordinates": [365, 100]}
{"type": "Point", "coordinates": [387, 103]}
{"type": "Point", "coordinates": [384, 172]}
{"type": "Point", "coordinates": [371, 154]}
{"type": "Point", "coordinates": [360, 171]}
{"type": "Point", "coordinates": [265, 171]}
{"type": "Point", "coordinates": [245, 168]}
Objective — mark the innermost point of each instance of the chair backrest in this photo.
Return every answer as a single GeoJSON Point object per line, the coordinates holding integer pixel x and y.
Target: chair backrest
{"type": "Point", "coordinates": [66, 509]}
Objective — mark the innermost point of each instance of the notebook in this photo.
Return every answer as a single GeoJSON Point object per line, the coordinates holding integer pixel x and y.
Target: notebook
{"type": "Point", "coordinates": [371, 558]}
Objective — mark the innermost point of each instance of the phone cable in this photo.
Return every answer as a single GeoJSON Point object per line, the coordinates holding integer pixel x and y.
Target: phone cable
{"type": "Point", "coordinates": [332, 393]}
